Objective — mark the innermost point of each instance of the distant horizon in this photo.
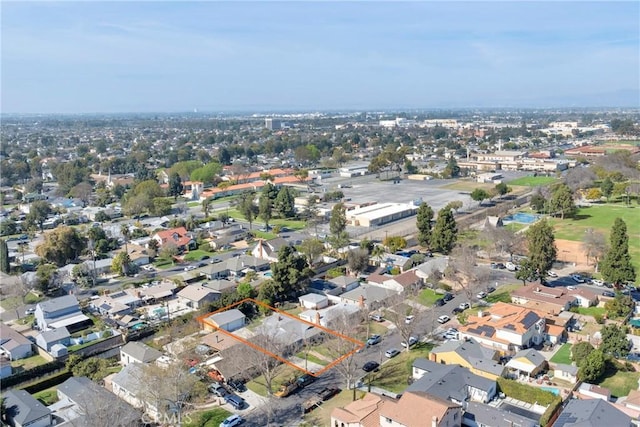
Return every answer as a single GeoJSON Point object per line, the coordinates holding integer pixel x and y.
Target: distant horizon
{"type": "Point", "coordinates": [101, 57]}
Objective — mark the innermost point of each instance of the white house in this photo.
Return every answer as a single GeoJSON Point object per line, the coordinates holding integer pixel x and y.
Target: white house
{"type": "Point", "coordinates": [313, 301]}
{"type": "Point", "coordinates": [13, 344]}
{"type": "Point", "coordinates": [196, 296]}
{"type": "Point", "coordinates": [229, 320]}
{"type": "Point", "coordinates": [138, 352]}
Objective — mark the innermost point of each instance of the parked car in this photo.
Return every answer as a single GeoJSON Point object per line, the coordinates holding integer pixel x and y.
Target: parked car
{"type": "Point", "coordinates": [481, 295]}
{"type": "Point", "coordinates": [190, 267]}
{"type": "Point", "coordinates": [328, 392]}
{"type": "Point", "coordinates": [464, 305]}
{"type": "Point", "coordinates": [552, 273]}
{"type": "Point", "coordinates": [305, 380]}
{"type": "Point", "coordinates": [439, 302]}
{"type": "Point", "coordinates": [511, 266]}
{"type": "Point", "coordinates": [578, 278]}
{"type": "Point", "coordinates": [409, 319]}
{"type": "Point", "coordinates": [237, 385]}
{"type": "Point", "coordinates": [443, 319]}
{"type": "Point", "coordinates": [500, 266]}
{"type": "Point", "coordinates": [215, 260]}
{"type": "Point", "coordinates": [608, 294]}
{"type": "Point", "coordinates": [236, 401]}
{"type": "Point", "coordinates": [377, 317]}
{"type": "Point", "coordinates": [370, 366]}
{"type": "Point", "coordinates": [232, 421]}
{"type": "Point", "coordinates": [449, 335]}
{"type": "Point", "coordinates": [598, 282]}
{"type": "Point", "coordinates": [392, 352]}
{"type": "Point", "coordinates": [412, 341]}
{"type": "Point", "coordinates": [218, 390]}
{"type": "Point", "coordinates": [571, 288]}
{"type": "Point", "coordinates": [457, 310]}
{"type": "Point", "coordinates": [29, 311]}
{"type": "Point", "coordinates": [447, 297]}
{"type": "Point", "coordinates": [374, 339]}
{"type": "Point", "coordinates": [490, 289]}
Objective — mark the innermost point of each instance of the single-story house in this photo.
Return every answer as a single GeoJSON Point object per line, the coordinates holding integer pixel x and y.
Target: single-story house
{"type": "Point", "coordinates": [47, 339]}
{"type": "Point", "coordinates": [13, 344]}
{"type": "Point", "coordinates": [482, 415]}
{"type": "Point", "coordinates": [268, 249]}
{"type": "Point", "coordinates": [138, 352]}
{"type": "Point", "coordinates": [345, 283]}
{"type": "Point", "coordinates": [416, 409]}
{"type": "Point", "coordinates": [469, 354]}
{"type": "Point", "coordinates": [23, 410]}
{"type": "Point", "coordinates": [329, 315]}
{"type": "Point", "coordinates": [196, 296]}
{"type": "Point", "coordinates": [229, 320]}
{"type": "Point", "coordinates": [566, 372]}
{"type": "Point", "coordinates": [369, 296]}
{"type": "Point", "coordinates": [221, 285]}
{"type": "Point", "coordinates": [527, 362]}
{"type": "Point", "coordinates": [593, 391]}
{"type": "Point", "coordinates": [591, 412]}
{"type": "Point", "coordinates": [313, 301]}
{"type": "Point", "coordinates": [180, 237]}
{"type": "Point", "coordinates": [5, 368]}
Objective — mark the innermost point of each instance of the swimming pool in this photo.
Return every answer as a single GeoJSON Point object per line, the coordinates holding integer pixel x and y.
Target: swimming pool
{"type": "Point", "coordinates": [268, 274]}
{"type": "Point", "coordinates": [553, 390]}
{"type": "Point", "coordinates": [137, 326]}
{"type": "Point", "coordinates": [522, 217]}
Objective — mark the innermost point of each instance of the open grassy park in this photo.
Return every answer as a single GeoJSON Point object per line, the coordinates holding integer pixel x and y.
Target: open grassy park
{"type": "Point", "coordinates": [600, 218]}
{"type": "Point", "coordinates": [533, 181]}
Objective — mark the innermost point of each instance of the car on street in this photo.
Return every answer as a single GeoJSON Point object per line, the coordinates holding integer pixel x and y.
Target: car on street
{"type": "Point", "coordinates": [190, 267]}
{"type": "Point", "coordinates": [464, 305]}
{"type": "Point", "coordinates": [450, 335]}
{"type": "Point", "coordinates": [412, 341]}
{"type": "Point", "coordinates": [552, 273]}
{"type": "Point", "coordinates": [457, 310]}
{"type": "Point", "coordinates": [481, 295]}
{"type": "Point", "coordinates": [328, 392]}
{"type": "Point", "coordinates": [374, 339]}
{"type": "Point", "coordinates": [409, 319]}
{"type": "Point", "coordinates": [236, 401]}
{"type": "Point", "coordinates": [578, 278]}
{"type": "Point", "coordinates": [392, 352]}
{"type": "Point", "coordinates": [377, 317]}
{"type": "Point", "coordinates": [598, 282]}
{"type": "Point", "coordinates": [439, 302]}
{"type": "Point", "coordinates": [443, 319]}
{"type": "Point", "coordinates": [608, 294]}
{"type": "Point", "coordinates": [490, 289]}
{"type": "Point", "coordinates": [370, 366]}
{"type": "Point", "coordinates": [447, 297]}
{"type": "Point", "coordinates": [232, 421]}
{"type": "Point", "coordinates": [29, 311]}
{"type": "Point", "coordinates": [215, 260]}
{"type": "Point", "coordinates": [511, 266]}
{"type": "Point", "coordinates": [571, 288]}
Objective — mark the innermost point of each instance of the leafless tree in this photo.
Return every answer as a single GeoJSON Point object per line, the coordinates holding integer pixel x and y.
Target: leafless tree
{"type": "Point", "coordinates": [338, 347]}
{"type": "Point", "coordinates": [505, 241]}
{"type": "Point", "coordinates": [264, 363]}
{"type": "Point", "coordinates": [99, 408]}
{"type": "Point", "coordinates": [462, 269]}
{"type": "Point", "coordinates": [397, 314]}
{"type": "Point", "coordinates": [580, 178]}
{"type": "Point", "coordinates": [594, 244]}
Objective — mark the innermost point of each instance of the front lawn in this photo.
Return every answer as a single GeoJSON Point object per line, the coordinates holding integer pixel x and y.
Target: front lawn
{"type": "Point", "coordinates": [620, 383]}
{"type": "Point", "coordinates": [284, 374]}
{"type": "Point", "coordinates": [502, 296]}
{"type": "Point", "coordinates": [394, 375]}
{"type": "Point", "coordinates": [428, 297]}
{"type": "Point", "coordinates": [197, 255]}
{"type": "Point", "coordinates": [319, 416]}
{"type": "Point", "coordinates": [563, 355]}
{"type": "Point", "coordinates": [209, 418]}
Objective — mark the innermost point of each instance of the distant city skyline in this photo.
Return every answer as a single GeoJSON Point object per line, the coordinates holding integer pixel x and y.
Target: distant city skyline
{"type": "Point", "coordinates": [108, 57]}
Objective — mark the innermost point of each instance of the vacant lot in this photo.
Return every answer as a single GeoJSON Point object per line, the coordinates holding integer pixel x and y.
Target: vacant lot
{"type": "Point", "coordinates": [533, 181]}
{"type": "Point", "coordinates": [601, 218]}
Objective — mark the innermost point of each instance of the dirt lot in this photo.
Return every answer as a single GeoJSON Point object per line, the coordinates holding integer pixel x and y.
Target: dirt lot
{"type": "Point", "coordinates": [572, 252]}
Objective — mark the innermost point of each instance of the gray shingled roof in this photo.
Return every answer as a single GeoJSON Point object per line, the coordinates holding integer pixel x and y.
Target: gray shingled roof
{"type": "Point", "coordinates": [60, 303]}
{"type": "Point", "coordinates": [55, 334]}
{"type": "Point", "coordinates": [140, 351]}
{"type": "Point", "coordinates": [475, 354]}
{"type": "Point", "coordinates": [592, 412]}
{"type": "Point", "coordinates": [447, 381]}
{"type": "Point", "coordinates": [495, 417]}
{"type": "Point", "coordinates": [24, 408]}
{"type": "Point", "coordinates": [227, 316]}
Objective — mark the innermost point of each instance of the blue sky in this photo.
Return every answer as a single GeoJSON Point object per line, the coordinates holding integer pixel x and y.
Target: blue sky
{"type": "Point", "coordinates": [82, 57]}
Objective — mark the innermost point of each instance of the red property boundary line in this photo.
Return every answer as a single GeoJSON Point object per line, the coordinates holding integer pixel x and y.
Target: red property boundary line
{"type": "Point", "coordinates": [359, 345]}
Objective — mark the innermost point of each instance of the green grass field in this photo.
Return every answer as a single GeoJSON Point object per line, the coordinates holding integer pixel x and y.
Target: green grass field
{"type": "Point", "coordinates": [428, 297]}
{"type": "Point", "coordinates": [197, 255]}
{"type": "Point", "coordinates": [563, 355]}
{"type": "Point", "coordinates": [209, 418]}
{"type": "Point", "coordinates": [393, 375]}
{"type": "Point", "coordinates": [533, 181]}
{"type": "Point", "coordinates": [47, 397]}
{"type": "Point", "coordinates": [601, 218]}
{"type": "Point", "coordinates": [589, 311]}
{"type": "Point", "coordinates": [620, 383]}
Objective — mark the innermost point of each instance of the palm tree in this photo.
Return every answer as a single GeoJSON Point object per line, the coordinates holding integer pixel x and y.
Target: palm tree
{"type": "Point", "coordinates": [126, 234]}
{"type": "Point", "coordinates": [377, 252]}
{"type": "Point", "coordinates": [205, 206]}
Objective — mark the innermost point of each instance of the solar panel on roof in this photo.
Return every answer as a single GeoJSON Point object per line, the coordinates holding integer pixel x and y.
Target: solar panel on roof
{"type": "Point", "coordinates": [529, 319]}
{"type": "Point", "coordinates": [510, 326]}
{"type": "Point", "coordinates": [565, 419]}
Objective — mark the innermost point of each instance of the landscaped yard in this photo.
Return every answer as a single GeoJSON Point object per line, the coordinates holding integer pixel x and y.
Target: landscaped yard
{"type": "Point", "coordinates": [47, 397]}
{"type": "Point", "coordinates": [563, 355]}
{"type": "Point", "coordinates": [319, 416]}
{"type": "Point", "coordinates": [503, 294]}
{"type": "Point", "coordinates": [601, 218]}
{"type": "Point", "coordinates": [210, 418]}
{"type": "Point", "coordinates": [590, 311]}
{"type": "Point", "coordinates": [428, 297]}
{"type": "Point", "coordinates": [533, 181]}
{"type": "Point", "coordinates": [394, 374]}
{"type": "Point", "coordinates": [284, 374]}
{"type": "Point", "coordinates": [197, 255]}
{"type": "Point", "coordinates": [29, 362]}
{"type": "Point", "coordinates": [620, 383]}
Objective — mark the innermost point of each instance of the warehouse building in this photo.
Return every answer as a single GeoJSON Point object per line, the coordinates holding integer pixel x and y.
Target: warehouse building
{"type": "Point", "coordinates": [379, 213]}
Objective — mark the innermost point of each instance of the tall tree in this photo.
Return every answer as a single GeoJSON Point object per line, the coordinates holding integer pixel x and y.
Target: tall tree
{"type": "Point", "coordinates": [310, 213]}
{"type": "Point", "coordinates": [224, 157]}
{"type": "Point", "coordinates": [175, 185]}
{"type": "Point", "coordinates": [561, 202]}
{"type": "Point", "coordinates": [338, 221]}
{"type": "Point", "coordinates": [607, 187]}
{"type": "Point", "coordinates": [452, 170]}
{"type": "Point", "coordinates": [423, 224]}
{"type": "Point", "coordinates": [290, 274]}
{"type": "Point", "coordinates": [616, 266]}
{"type": "Point", "coordinates": [4, 257]}
{"type": "Point", "coordinates": [62, 245]}
{"type": "Point", "coordinates": [479, 195]}
{"type": "Point", "coordinates": [542, 248]}
{"type": "Point", "coordinates": [247, 207]}
{"type": "Point", "coordinates": [502, 189]}
{"type": "Point", "coordinates": [358, 260]}
{"type": "Point", "coordinates": [38, 213]}
{"type": "Point", "coordinates": [265, 209]}
{"type": "Point", "coordinates": [312, 249]}
{"type": "Point", "coordinates": [445, 232]}
{"type": "Point", "coordinates": [284, 203]}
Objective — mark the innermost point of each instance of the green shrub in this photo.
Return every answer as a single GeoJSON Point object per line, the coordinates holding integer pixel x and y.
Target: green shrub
{"type": "Point", "coordinates": [444, 286]}
{"type": "Point", "coordinates": [599, 318]}
{"type": "Point", "coordinates": [551, 410]}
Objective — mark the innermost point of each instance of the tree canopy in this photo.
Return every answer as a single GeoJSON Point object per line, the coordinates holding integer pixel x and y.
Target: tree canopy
{"type": "Point", "coordinates": [290, 274]}
{"type": "Point", "coordinates": [542, 248]}
{"type": "Point", "coordinates": [62, 245]}
{"type": "Point", "coordinates": [423, 224]}
{"type": "Point", "coordinates": [445, 232]}
{"type": "Point", "coordinates": [616, 266]}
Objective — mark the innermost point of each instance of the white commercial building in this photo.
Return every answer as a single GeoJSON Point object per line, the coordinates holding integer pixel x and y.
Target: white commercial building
{"type": "Point", "coordinates": [379, 213]}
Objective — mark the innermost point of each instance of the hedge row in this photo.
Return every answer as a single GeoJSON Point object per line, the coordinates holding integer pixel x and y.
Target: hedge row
{"type": "Point", "coordinates": [550, 412]}
{"type": "Point", "coordinates": [48, 382]}
{"type": "Point", "coordinates": [526, 393]}
{"type": "Point", "coordinates": [32, 373]}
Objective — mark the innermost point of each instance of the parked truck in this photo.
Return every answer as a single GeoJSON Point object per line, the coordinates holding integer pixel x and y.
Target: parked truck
{"type": "Point", "coordinates": [287, 388]}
